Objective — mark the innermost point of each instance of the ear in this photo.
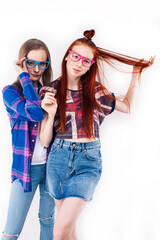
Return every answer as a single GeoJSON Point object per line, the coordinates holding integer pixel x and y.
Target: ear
{"type": "Point", "coordinates": [66, 58]}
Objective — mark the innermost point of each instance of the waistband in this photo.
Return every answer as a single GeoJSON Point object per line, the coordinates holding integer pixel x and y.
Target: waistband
{"type": "Point", "coordinates": [77, 145]}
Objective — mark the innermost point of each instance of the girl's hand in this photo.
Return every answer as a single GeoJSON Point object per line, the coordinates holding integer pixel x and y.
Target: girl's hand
{"type": "Point", "coordinates": [49, 104]}
{"type": "Point", "coordinates": [20, 66]}
{"type": "Point", "coordinates": [138, 69]}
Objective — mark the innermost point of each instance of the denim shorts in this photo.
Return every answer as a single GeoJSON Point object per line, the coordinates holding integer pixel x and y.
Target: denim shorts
{"type": "Point", "coordinates": [73, 169]}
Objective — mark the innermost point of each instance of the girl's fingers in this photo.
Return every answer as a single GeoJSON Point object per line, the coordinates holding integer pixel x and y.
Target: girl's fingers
{"type": "Point", "coordinates": [17, 62]}
{"type": "Point", "coordinates": [50, 97]}
{"type": "Point", "coordinates": [51, 100]}
{"type": "Point", "coordinates": [48, 100]}
{"type": "Point", "coordinates": [49, 94]}
{"type": "Point", "coordinates": [152, 59]}
{"type": "Point", "coordinates": [22, 59]}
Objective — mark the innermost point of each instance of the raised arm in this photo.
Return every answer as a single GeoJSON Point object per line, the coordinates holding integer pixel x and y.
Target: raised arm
{"type": "Point", "coordinates": [28, 106]}
{"type": "Point", "coordinates": [25, 104]}
{"type": "Point", "coordinates": [125, 105]}
{"type": "Point", "coordinates": [49, 104]}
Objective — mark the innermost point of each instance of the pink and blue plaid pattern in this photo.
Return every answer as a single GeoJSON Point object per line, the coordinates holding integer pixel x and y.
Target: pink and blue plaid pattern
{"type": "Point", "coordinates": [24, 111]}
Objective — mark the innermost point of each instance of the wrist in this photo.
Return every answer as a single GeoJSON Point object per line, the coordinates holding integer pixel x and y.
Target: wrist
{"type": "Point", "coordinates": [137, 70]}
{"type": "Point", "coordinates": [20, 71]}
{"type": "Point", "coordinates": [51, 116]}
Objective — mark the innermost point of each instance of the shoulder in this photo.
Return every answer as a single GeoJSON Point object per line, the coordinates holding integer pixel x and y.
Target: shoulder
{"type": "Point", "coordinates": [103, 95]}
{"type": "Point", "coordinates": [54, 84]}
{"type": "Point", "coordinates": [101, 89]}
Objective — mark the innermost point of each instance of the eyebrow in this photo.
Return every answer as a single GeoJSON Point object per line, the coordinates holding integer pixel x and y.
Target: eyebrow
{"type": "Point", "coordinates": [81, 55]}
{"type": "Point", "coordinates": [37, 60]}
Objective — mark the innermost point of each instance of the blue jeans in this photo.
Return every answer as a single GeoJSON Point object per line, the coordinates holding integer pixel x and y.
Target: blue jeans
{"type": "Point", "coordinates": [20, 202]}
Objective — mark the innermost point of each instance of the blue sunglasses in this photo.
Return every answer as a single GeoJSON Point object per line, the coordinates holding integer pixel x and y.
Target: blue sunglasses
{"type": "Point", "coordinates": [32, 63]}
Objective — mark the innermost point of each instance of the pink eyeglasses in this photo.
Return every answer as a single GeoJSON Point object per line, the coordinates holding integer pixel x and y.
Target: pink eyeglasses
{"type": "Point", "coordinates": [75, 57]}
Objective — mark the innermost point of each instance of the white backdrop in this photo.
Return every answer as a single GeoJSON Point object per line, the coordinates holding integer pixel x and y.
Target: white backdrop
{"type": "Point", "coordinates": [126, 202]}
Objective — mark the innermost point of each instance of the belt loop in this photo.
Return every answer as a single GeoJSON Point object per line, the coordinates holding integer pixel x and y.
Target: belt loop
{"type": "Point", "coordinates": [61, 143]}
{"type": "Point", "coordinates": [83, 147]}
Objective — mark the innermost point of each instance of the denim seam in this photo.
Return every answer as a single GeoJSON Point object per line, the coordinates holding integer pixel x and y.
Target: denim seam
{"type": "Point", "coordinates": [78, 148]}
{"type": "Point", "coordinates": [46, 218]}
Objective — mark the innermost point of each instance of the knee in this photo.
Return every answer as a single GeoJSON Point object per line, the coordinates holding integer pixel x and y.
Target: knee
{"type": "Point", "coordinates": [61, 233]}
{"type": "Point", "coordinates": [47, 222]}
{"type": "Point", "coordinates": [7, 237]}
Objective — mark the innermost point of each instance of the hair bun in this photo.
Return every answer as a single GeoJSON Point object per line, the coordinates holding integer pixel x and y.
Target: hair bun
{"type": "Point", "coordinates": [89, 33]}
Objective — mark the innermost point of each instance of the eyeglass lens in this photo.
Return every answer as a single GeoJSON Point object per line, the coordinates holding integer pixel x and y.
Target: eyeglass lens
{"type": "Point", "coordinates": [76, 57]}
{"type": "Point", "coordinates": [32, 64]}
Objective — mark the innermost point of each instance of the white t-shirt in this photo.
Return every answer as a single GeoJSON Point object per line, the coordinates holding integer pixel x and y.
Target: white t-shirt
{"type": "Point", "coordinates": [40, 152]}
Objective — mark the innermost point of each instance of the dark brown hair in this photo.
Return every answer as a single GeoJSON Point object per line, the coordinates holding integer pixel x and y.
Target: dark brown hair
{"type": "Point", "coordinates": [88, 80]}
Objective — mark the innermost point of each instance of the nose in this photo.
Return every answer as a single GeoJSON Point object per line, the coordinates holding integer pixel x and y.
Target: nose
{"type": "Point", "coordinates": [36, 68]}
{"type": "Point", "coordinates": [79, 63]}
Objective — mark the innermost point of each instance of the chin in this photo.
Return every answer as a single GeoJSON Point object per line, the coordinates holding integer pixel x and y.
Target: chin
{"type": "Point", "coordinates": [74, 74]}
{"type": "Point", "coordinates": [35, 78]}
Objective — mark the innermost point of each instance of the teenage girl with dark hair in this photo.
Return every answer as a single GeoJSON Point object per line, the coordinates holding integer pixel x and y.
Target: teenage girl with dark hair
{"type": "Point", "coordinates": [23, 106]}
{"type": "Point", "coordinates": [76, 104]}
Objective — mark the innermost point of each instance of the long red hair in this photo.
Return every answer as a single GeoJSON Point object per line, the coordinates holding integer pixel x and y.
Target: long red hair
{"type": "Point", "coordinates": [88, 80]}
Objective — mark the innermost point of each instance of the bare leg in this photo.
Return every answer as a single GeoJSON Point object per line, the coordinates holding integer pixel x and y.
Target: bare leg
{"type": "Point", "coordinates": [68, 211]}
{"type": "Point", "coordinates": [58, 205]}
{"type": "Point", "coordinates": [74, 234]}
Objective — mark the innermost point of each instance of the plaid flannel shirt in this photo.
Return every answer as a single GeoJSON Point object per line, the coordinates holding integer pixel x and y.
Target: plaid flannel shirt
{"type": "Point", "coordinates": [24, 111]}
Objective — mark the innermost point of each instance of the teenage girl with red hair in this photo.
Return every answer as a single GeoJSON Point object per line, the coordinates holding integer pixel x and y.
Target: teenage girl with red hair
{"type": "Point", "coordinates": [75, 105]}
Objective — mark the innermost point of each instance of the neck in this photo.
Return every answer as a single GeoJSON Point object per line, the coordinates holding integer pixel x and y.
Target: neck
{"type": "Point", "coordinates": [35, 84]}
{"type": "Point", "coordinates": [73, 83]}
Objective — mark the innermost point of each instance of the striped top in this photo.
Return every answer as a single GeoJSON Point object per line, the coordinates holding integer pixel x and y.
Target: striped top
{"type": "Point", "coordinates": [24, 112]}
{"type": "Point", "coordinates": [74, 111]}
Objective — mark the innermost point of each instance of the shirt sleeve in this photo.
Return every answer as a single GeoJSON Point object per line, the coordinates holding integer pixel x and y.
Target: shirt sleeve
{"type": "Point", "coordinates": [26, 105]}
{"type": "Point", "coordinates": [106, 101]}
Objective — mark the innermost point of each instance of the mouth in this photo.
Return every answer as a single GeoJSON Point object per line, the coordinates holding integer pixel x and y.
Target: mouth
{"type": "Point", "coordinates": [35, 75]}
{"type": "Point", "coordinates": [76, 70]}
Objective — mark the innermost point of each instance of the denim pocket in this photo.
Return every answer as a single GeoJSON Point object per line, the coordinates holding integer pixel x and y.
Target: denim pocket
{"type": "Point", "coordinates": [54, 148]}
{"type": "Point", "coordinates": [93, 154]}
